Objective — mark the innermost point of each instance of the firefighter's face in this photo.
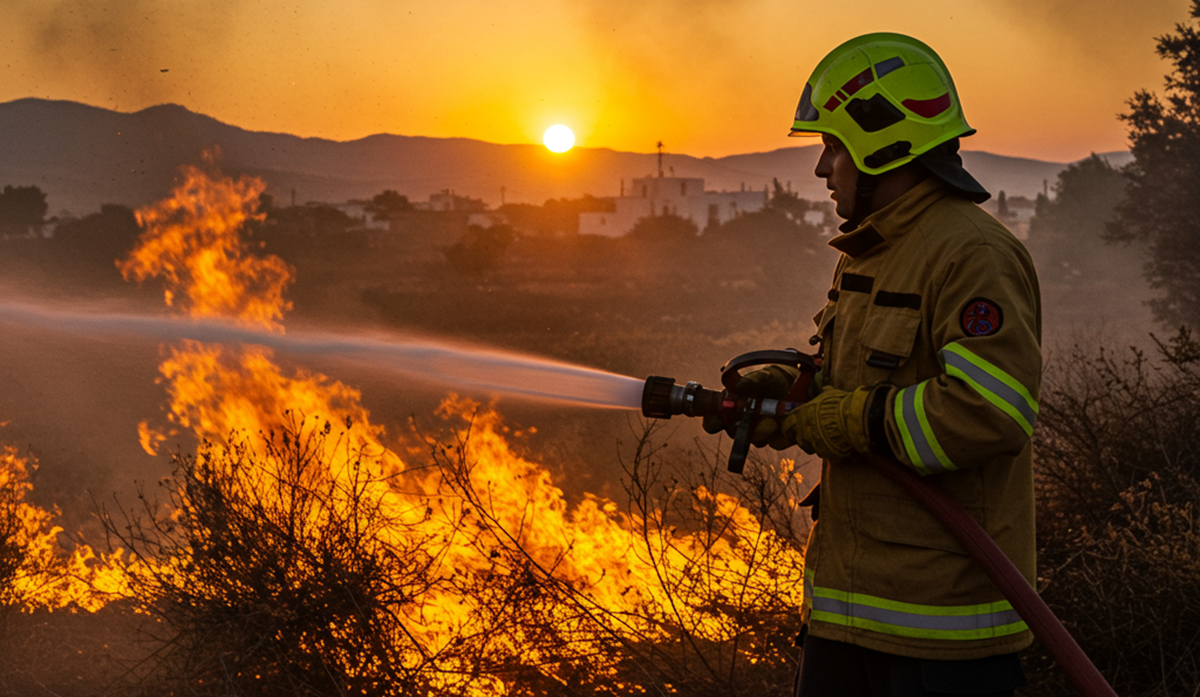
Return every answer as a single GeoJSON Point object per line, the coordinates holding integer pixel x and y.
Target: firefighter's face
{"type": "Point", "coordinates": [837, 168]}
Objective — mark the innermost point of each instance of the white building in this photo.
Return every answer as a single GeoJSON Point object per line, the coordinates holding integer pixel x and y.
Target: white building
{"type": "Point", "coordinates": [681, 196]}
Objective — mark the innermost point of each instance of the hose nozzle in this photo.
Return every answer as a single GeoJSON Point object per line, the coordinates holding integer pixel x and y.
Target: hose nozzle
{"type": "Point", "coordinates": [662, 398]}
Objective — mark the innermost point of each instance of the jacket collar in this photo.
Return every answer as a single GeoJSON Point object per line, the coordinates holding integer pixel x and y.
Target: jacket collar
{"type": "Point", "coordinates": [891, 222]}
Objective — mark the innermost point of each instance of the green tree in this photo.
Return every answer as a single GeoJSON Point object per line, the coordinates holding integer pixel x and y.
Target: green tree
{"type": "Point", "coordinates": [1163, 181]}
{"type": "Point", "coordinates": [22, 208]}
{"type": "Point", "coordinates": [1066, 231]}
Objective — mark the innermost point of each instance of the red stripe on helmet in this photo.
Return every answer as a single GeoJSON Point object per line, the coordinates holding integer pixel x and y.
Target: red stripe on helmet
{"type": "Point", "coordinates": [857, 82]}
{"type": "Point", "coordinates": [928, 108]}
{"type": "Point", "coordinates": [832, 103]}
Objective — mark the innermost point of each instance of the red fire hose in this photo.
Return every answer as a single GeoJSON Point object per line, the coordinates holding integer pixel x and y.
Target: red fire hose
{"type": "Point", "coordinates": [1025, 600]}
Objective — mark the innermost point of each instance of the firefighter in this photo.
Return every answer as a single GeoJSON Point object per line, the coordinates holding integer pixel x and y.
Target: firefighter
{"type": "Point", "coordinates": [930, 354]}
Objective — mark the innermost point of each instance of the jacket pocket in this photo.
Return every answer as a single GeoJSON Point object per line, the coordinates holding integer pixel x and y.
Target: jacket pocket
{"type": "Point", "coordinates": [888, 336]}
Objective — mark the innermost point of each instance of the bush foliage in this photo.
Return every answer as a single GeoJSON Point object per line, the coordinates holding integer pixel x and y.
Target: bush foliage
{"type": "Point", "coordinates": [276, 570]}
{"type": "Point", "coordinates": [271, 574]}
{"type": "Point", "coordinates": [1118, 466]}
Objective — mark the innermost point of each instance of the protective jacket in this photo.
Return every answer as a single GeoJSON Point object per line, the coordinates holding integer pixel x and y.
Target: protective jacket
{"type": "Point", "coordinates": [938, 303]}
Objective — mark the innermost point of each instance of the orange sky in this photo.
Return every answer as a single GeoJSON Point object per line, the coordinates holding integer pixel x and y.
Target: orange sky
{"type": "Point", "coordinates": [1038, 78]}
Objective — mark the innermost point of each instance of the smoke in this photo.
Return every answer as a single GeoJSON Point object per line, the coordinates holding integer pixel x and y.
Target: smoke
{"type": "Point", "coordinates": [134, 50]}
{"type": "Point", "coordinates": [1085, 25]}
{"type": "Point", "coordinates": [1088, 32]}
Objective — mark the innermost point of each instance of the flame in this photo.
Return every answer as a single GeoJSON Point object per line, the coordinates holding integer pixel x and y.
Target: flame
{"type": "Point", "coordinates": [193, 241]}
{"type": "Point", "coordinates": [593, 574]}
{"type": "Point", "coordinates": [36, 572]}
{"type": "Point", "coordinates": [626, 564]}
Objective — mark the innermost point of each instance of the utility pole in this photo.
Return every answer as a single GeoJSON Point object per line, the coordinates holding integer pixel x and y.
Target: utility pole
{"type": "Point", "coordinates": [660, 154]}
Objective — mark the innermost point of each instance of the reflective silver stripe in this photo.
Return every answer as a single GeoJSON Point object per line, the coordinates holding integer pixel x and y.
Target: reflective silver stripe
{"type": "Point", "coordinates": [904, 619]}
{"type": "Point", "coordinates": [992, 383]}
{"type": "Point", "coordinates": [920, 443]}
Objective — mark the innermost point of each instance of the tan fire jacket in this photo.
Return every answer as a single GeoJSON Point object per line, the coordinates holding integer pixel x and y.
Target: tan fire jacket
{"type": "Point", "coordinates": [937, 299]}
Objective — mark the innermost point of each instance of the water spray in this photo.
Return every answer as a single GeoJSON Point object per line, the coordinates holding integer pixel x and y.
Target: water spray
{"type": "Point", "coordinates": [476, 369]}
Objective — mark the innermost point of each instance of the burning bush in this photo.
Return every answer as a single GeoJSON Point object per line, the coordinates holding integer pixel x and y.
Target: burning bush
{"type": "Point", "coordinates": [1118, 478]}
{"type": "Point", "coordinates": [36, 571]}
{"type": "Point", "coordinates": [278, 573]}
{"type": "Point", "coordinates": [286, 572]}
{"type": "Point", "coordinates": [694, 587]}
{"type": "Point", "coordinates": [23, 529]}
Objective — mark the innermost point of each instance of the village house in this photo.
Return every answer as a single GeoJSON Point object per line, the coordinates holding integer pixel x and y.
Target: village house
{"type": "Point", "coordinates": [681, 196]}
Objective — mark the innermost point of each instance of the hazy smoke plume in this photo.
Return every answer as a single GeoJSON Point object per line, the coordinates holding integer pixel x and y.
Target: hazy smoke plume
{"type": "Point", "coordinates": [130, 47]}
{"type": "Point", "coordinates": [1089, 31]}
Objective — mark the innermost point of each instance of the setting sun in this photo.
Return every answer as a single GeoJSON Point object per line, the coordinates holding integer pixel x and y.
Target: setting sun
{"type": "Point", "coordinates": [559, 138]}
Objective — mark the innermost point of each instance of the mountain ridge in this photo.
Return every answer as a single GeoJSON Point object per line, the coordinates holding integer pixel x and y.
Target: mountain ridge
{"type": "Point", "coordinates": [83, 156]}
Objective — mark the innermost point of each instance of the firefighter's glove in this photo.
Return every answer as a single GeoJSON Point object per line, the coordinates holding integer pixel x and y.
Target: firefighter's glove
{"type": "Point", "coordinates": [769, 382]}
{"type": "Point", "coordinates": [831, 425]}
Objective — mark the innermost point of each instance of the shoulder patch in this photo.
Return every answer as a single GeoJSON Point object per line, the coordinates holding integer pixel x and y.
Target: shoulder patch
{"type": "Point", "coordinates": [981, 317]}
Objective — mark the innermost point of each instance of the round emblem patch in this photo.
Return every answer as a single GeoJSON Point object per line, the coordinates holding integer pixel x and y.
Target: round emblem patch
{"type": "Point", "coordinates": [981, 317]}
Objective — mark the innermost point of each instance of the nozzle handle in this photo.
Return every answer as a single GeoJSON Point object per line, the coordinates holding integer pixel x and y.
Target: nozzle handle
{"type": "Point", "coordinates": [731, 371]}
{"type": "Point", "coordinates": [741, 446]}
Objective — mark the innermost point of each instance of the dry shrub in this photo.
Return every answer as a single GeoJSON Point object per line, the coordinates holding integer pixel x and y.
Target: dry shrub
{"type": "Point", "coordinates": [720, 558]}
{"type": "Point", "coordinates": [1118, 467]}
{"type": "Point", "coordinates": [272, 573]}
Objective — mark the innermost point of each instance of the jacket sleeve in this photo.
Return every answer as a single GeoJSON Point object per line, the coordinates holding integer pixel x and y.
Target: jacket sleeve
{"type": "Point", "coordinates": [985, 324]}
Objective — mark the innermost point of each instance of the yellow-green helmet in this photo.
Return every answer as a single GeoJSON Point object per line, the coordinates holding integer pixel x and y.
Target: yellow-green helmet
{"type": "Point", "coordinates": [887, 97]}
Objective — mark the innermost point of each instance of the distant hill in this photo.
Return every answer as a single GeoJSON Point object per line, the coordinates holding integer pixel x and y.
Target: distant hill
{"type": "Point", "coordinates": [84, 156]}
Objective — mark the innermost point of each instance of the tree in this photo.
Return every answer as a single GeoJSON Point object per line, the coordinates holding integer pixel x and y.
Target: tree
{"type": "Point", "coordinates": [556, 216]}
{"type": "Point", "coordinates": [311, 220]}
{"type": "Point", "coordinates": [386, 204]}
{"type": "Point", "coordinates": [668, 227]}
{"type": "Point", "coordinates": [104, 236]}
{"type": "Point", "coordinates": [22, 208]}
{"type": "Point", "coordinates": [1065, 231]}
{"type": "Point", "coordinates": [1163, 181]}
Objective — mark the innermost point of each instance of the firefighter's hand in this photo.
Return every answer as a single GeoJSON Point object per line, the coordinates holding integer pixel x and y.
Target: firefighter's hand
{"type": "Point", "coordinates": [771, 382]}
{"type": "Point", "coordinates": [765, 432]}
{"type": "Point", "coordinates": [831, 425]}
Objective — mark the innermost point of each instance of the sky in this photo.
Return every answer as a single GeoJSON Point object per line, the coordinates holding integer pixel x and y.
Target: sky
{"type": "Point", "coordinates": [1043, 79]}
